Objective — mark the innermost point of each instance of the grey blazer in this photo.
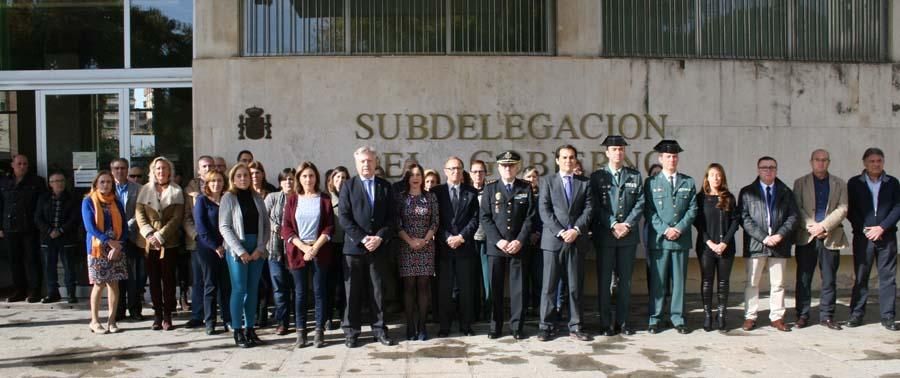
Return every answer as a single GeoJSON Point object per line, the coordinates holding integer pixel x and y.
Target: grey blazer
{"type": "Point", "coordinates": [130, 203]}
{"type": "Point", "coordinates": [232, 228]}
{"type": "Point", "coordinates": [557, 215]}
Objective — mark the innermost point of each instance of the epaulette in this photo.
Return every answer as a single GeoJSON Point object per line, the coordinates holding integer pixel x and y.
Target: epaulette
{"type": "Point", "coordinates": [491, 181]}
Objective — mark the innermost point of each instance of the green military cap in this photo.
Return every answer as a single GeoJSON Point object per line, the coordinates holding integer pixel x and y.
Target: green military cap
{"type": "Point", "coordinates": [668, 146]}
{"type": "Point", "coordinates": [614, 140]}
{"type": "Point", "coordinates": [509, 157]}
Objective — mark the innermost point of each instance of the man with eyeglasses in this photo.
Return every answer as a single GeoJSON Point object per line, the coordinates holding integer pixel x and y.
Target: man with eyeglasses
{"type": "Point", "coordinates": [457, 253]}
{"type": "Point", "coordinates": [507, 209]}
{"type": "Point", "coordinates": [822, 206]}
{"type": "Point", "coordinates": [769, 219]}
{"type": "Point", "coordinates": [131, 289]}
{"type": "Point", "coordinates": [136, 175]}
{"type": "Point", "coordinates": [670, 208]}
{"type": "Point", "coordinates": [873, 211]}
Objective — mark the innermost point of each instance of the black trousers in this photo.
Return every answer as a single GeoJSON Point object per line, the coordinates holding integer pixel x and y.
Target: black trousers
{"type": "Point", "coordinates": [216, 287]}
{"type": "Point", "coordinates": [568, 262]}
{"type": "Point", "coordinates": [499, 265]}
{"type": "Point", "coordinates": [883, 255]}
{"type": "Point", "coordinates": [25, 262]}
{"type": "Point", "coordinates": [463, 272]}
{"type": "Point", "coordinates": [828, 260]}
{"type": "Point", "coordinates": [132, 288]}
{"type": "Point", "coordinates": [363, 279]}
{"type": "Point", "coordinates": [161, 272]}
{"type": "Point", "coordinates": [715, 271]}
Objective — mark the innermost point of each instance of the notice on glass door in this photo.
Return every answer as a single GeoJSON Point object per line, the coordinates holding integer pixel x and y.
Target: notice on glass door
{"type": "Point", "coordinates": [84, 160]}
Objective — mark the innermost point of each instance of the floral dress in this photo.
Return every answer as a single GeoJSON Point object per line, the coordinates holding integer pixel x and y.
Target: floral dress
{"type": "Point", "coordinates": [418, 215]}
{"type": "Point", "coordinates": [101, 269]}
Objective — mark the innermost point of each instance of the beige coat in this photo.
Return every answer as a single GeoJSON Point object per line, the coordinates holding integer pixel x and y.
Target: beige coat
{"type": "Point", "coordinates": [836, 211]}
{"type": "Point", "coordinates": [161, 216]}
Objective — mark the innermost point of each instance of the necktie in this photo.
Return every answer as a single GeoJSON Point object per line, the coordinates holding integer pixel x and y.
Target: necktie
{"type": "Point", "coordinates": [508, 188]}
{"type": "Point", "coordinates": [770, 203]}
{"type": "Point", "coordinates": [672, 181]}
{"type": "Point", "coordinates": [370, 191]}
{"type": "Point", "coordinates": [567, 185]}
{"type": "Point", "coordinates": [454, 198]}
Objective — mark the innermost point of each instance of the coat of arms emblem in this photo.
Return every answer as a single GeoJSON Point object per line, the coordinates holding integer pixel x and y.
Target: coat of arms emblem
{"type": "Point", "coordinates": [254, 125]}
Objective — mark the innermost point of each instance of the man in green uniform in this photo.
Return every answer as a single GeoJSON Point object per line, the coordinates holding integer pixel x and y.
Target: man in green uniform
{"type": "Point", "coordinates": [618, 207]}
{"type": "Point", "coordinates": [670, 208]}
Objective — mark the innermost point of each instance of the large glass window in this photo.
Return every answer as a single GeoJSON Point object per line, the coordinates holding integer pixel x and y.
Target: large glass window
{"type": "Point", "coordinates": [61, 34]}
{"type": "Point", "coordinates": [17, 124]}
{"type": "Point", "coordinates": [82, 134]}
{"type": "Point", "coordinates": [827, 30]}
{"type": "Point", "coordinates": [161, 33]}
{"type": "Point", "coordinates": [367, 27]}
{"type": "Point", "coordinates": [160, 122]}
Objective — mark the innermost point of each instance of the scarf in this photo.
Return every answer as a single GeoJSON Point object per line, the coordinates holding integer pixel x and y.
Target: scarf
{"type": "Point", "coordinates": [110, 201]}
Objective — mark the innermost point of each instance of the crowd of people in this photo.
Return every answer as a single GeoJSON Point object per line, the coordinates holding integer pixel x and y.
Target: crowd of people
{"type": "Point", "coordinates": [455, 247]}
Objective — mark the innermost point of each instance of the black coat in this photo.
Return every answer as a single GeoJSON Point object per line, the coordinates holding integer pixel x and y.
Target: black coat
{"type": "Point", "coordinates": [753, 219]}
{"type": "Point", "coordinates": [70, 217]}
{"type": "Point", "coordinates": [360, 220]}
{"type": "Point", "coordinates": [507, 216]}
{"type": "Point", "coordinates": [860, 212]}
{"type": "Point", "coordinates": [19, 201]}
{"type": "Point", "coordinates": [727, 223]}
{"type": "Point", "coordinates": [462, 222]}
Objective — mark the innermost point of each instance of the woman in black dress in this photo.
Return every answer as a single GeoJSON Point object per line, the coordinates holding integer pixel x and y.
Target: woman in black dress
{"type": "Point", "coordinates": [716, 223]}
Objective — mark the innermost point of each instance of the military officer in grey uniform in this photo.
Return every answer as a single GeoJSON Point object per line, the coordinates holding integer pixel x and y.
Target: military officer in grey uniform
{"type": "Point", "coordinates": [507, 207]}
{"type": "Point", "coordinates": [618, 207]}
{"type": "Point", "coordinates": [670, 208]}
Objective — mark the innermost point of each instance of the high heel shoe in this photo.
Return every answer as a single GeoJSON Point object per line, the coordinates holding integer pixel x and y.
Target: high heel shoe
{"type": "Point", "coordinates": [97, 328]}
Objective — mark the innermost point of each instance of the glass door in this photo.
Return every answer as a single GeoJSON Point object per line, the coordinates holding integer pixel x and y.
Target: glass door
{"type": "Point", "coordinates": [82, 132]}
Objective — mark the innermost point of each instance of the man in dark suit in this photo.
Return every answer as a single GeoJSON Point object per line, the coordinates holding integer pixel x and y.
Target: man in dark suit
{"type": "Point", "coordinates": [618, 207]}
{"type": "Point", "coordinates": [507, 207]}
{"type": "Point", "coordinates": [19, 193]}
{"type": "Point", "coordinates": [565, 206]}
{"type": "Point", "coordinates": [458, 259]}
{"type": "Point", "coordinates": [873, 211]}
{"type": "Point", "coordinates": [366, 213]}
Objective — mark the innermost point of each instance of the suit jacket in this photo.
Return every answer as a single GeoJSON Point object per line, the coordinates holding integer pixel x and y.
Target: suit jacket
{"type": "Point", "coordinates": [507, 216]}
{"type": "Point", "coordinates": [359, 219]}
{"type": "Point", "coordinates": [463, 221]}
{"type": "Point", "coordinates": [18, 201]}
{"type": "Point", "coordinates": [130, 203]}
{"type": "Point", "coordinates": [622, 203]}
{"type": "Point", "coordinates": [752, 203]}
{"type": "Point", "coordinates": [860, 211]}
{"type": "Point", "coordinates": [835, 211]}
{"type": "Point", "coordinates": [558, 214]}
{"type": "Point", "coordinates": [288, 229]}
{"type": "Point", "coordinates": [664, 209]}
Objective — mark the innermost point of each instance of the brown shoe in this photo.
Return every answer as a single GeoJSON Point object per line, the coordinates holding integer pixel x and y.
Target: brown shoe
{"type": "Point", "coordinates": [749, 325]}
{"type": "Point", "coordinates": [831, 324]}
{"type": "Point", "coordinates": [281, 330]}
{"type": "Point", "coordinates": [779, 325]}
{"type": "Point", "coordinates": [802, 322]}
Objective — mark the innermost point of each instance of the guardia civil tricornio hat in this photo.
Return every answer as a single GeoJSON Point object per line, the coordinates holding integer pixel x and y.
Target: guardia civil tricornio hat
{"type": "Point", "coordinates": [614, 140]}
{"type": "Point", "coordinates": [509, 157]}
{"type": "Point", "coordinates": [668, 146]}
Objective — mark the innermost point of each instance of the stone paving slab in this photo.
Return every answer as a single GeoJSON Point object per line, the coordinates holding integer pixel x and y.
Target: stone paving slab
{"type": "Point", "coordinates": [54, 341]}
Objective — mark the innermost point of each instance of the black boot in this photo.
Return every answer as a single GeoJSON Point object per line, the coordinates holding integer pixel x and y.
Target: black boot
{"type": "Point", "coordinates": [252, 338]}
{"type": "Point", "coordinates": [706, 294]}
{"type": "Point", "coordinates": [240, 339]}
{"type": "Point", "coordinates": [723, 305]}
{"type": "Point", "coordinates": [301, 338]}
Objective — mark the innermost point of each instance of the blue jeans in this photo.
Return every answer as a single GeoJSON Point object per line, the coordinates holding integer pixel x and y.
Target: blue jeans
{"type": "Point", "coordinates": [213, 275]}
{"type": "Point", "coordinates": [281, 290]}
{"type": "Point", "coordinates": [244, 286]}
{"type": "Point", "coordinates": [320, 285]}
{"type": "Point", "coordinates": [53, 252]}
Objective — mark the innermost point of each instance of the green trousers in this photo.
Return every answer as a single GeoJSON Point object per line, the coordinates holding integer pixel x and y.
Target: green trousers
{"type": "Point", "coordinates": [620, 259]}
{"type": "Point", "coordinates": [667, 264]}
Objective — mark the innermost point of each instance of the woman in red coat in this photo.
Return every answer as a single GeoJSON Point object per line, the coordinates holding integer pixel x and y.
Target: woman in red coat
{"type": "Point", "coordinates": [307, 227]}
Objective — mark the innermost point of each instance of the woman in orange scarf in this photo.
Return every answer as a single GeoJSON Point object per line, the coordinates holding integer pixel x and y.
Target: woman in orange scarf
{"type": "Point", "coordinates": [106, 231]}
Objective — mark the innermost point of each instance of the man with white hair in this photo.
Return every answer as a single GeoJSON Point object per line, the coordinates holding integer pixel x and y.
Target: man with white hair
{"type": "Point", "coordinates": [365, 211]}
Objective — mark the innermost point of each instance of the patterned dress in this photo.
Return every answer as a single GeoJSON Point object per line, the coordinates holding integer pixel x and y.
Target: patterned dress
{"type": "Point", "coordinates": [418, 215]}
{"type": "Point", "coordinates": [102, 270]}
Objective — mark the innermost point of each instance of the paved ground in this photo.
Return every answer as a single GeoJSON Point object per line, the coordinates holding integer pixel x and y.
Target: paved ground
{"type": "Point", "coordinates": [44, 340]}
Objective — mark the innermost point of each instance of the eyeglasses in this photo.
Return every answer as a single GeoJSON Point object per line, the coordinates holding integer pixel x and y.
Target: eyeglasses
{"type": "Point", "coordinates": [767, 168]}
{"type": "Point", "coordinates": [134, 176]}
{"type": "Point", "coordinates": [453, 168]}
{"type": "Point", "coordinates": [476, 172]}
{"type": "Point", "coordinates": [118, 168]}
